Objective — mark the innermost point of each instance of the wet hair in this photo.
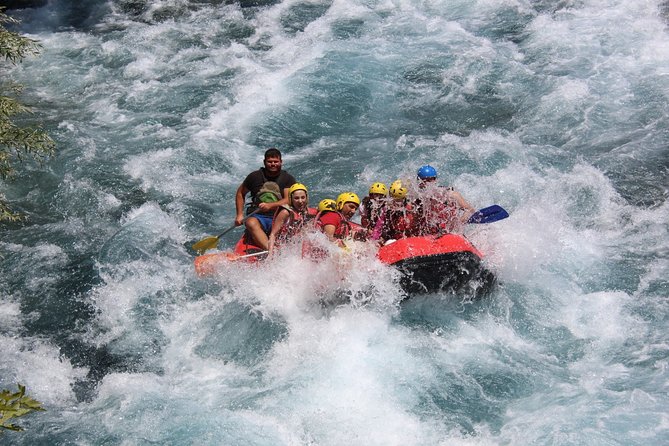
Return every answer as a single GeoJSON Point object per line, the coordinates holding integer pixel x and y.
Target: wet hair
{"type": "Point", "coordinates": [272, 152]}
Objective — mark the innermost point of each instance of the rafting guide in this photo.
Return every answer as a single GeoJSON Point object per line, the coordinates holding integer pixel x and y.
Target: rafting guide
{"type": "Point", "coordinates": [269, 190]}
{"type": "Point", "coordinates": [440, 209]}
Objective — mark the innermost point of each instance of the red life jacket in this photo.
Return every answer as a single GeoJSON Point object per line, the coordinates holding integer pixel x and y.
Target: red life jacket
{"type": "Point", "coordinates": [342, 230]}
{"type": "Point", "coordinates": [370, 211]}
{"type": "Point", "coordinates": [441, 217]}
{"type": "Point", "coordinates": [437, 213]}
{"type": "Point", "coordinates": [296, 221]}
{"type": "Point", "coordinates": [400, 222]}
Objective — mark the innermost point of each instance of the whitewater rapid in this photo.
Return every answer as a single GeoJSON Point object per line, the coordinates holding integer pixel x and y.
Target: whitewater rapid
{"type": "Point", "coordinates": [555, 110]}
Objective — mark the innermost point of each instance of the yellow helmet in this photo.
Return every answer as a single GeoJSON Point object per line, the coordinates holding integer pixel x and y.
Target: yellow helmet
{"type": "Point", "coordinates": [397, 191]}
{"type": "Point", "coordinates": [327, 204]}
{"type": "Point", "coordinates": [378, 188]}
{"type": "Point", "coordinates": [345, 198]}
{"type": "Point", "coordinates": [296, 187]}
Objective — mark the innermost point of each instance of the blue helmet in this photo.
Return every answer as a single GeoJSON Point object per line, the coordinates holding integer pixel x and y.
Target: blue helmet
{"type": "Point", "coordinates": [427, 171]}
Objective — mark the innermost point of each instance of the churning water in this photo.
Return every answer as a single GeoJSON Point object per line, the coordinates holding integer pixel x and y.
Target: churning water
{"type": "Point", "coordinates": [556, 110]}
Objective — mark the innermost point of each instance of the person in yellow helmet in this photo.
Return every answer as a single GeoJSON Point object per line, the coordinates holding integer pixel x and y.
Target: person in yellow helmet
{"type": "Point", "coordinates": [398, 191]}
{"type": "Point", "coordinates": [336, 224]}
{"type": "Point", "coordinates": [372, 204]}
{"type": "Point", "coordinates": [397, 219]}
{"type": "Point", "coordinates": [313, 251]}
{"type": "Point", "coordinates": [290, 218]}
{"type": "Point", "coordinates": [327, 205]}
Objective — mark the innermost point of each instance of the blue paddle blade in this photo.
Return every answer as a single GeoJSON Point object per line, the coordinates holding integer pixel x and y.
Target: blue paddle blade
{"type": "Point", "coordinates": [488, 215]}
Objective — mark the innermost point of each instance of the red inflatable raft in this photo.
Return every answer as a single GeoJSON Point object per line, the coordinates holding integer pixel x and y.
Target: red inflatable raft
{"type": "Point", "coordinates": [447, 263]}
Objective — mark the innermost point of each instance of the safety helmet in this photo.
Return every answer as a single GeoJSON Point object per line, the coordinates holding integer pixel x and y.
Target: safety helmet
{"type": "Point", "coordinates": [378, 188]}
{"type": "Point", "coordinates": [345, 198]}
{"type": "Point", "coordinates": [327, 204]}
{"type": "Point", "coordinates": [297, 186]}
{"type": "Point", "coordinates": [427, 171]}
{"type": "Point", "coordinates": [397, 191]}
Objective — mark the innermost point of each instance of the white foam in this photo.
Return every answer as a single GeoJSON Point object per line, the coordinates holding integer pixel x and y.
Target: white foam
{"type": "Point", "coordinates": [363, 372]}
{"type": "Point", "coordinates": [9, 315]}
{"type": "Point", "coordinates": [38, 365]}
{"type": "Point", "coordinates": [33, 362]}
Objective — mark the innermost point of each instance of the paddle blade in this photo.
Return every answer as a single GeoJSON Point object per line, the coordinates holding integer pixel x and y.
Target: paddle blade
{"type": "Point", "coordinates": [488, 215]}
{"type": "Point", "coordinates": [206, 244]}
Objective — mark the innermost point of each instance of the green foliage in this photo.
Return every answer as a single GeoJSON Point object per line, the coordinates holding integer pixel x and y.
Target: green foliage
{"type": "Point", "coordinates": [14, 405]}
{"type": "Point", "coordinates": [16, 141]}
{"type": "Point", "coordinates": [14, 47]}
{"type": "Point", "coordinates": [6, 214]}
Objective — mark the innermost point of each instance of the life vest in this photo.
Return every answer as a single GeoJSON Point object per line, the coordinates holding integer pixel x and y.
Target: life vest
{"type": "Point", "coordinates": [437, 214]}
{"type": "Point", "coordinates": [341, 231]}
{"type": "Point", "coordinates": [397, 223]}
{"type": "Point", "coordinates": [443, 217]}
{"type": "Point", "coordinates": [448, 217]}
{"type": "Point", "coordinates": [255, 198]}
{"type": "Point", "coordinates": [296, 220]}
{"type": "Point", "coordinates": [370, 211]}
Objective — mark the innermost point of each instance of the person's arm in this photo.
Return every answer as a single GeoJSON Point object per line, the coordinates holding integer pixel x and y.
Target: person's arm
{"type": "Point", "coordinates": [265, 207]}
{"type": "Point", "coordinates": [277, 224]}
{"type": "Point", "coordinates": [240, 197]}
{"type": "Point", "coordinates": [284, 200]}
{"type": "Point", "coordinates": [360, 234]}
{"type": "Point", "coordinates": [329, 230]}
{"type": "Point", "coordinates": [330, 221]}
{"type": "Point", "coordinates": [463, 204]}
{"type": "Point", "coordinates": [378, 227]}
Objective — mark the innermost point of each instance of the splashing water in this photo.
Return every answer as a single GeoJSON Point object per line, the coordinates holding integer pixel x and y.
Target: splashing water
{"type": "Point", "coordinates": [555, 110]}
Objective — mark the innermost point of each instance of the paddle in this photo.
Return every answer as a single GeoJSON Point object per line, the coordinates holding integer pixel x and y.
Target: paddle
{"type": "Point", "coordinates": [212, 241]}
{"type": "Point", "coordinates": [488, 215]}
{"type": "Point", "coordinates": [245, 256]}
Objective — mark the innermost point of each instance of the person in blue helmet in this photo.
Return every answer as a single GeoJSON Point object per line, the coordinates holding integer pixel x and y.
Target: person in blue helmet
{"type": "Point", "coordinates": [441, 209]}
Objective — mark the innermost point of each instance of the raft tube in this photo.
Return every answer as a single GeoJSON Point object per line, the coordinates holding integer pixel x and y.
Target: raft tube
{"type": "Point", "coordinates": [207, 264]}
{"type": "Point", "coordinates": [447, 263]}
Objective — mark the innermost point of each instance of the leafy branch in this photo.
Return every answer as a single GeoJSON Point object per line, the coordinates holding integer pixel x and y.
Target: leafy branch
{"type": "Point", "coordinates": [13, 46]}
{"type": "Point", "coordinates": [15, 405]}
{"type": "Point", "coordinates": [16, 142]}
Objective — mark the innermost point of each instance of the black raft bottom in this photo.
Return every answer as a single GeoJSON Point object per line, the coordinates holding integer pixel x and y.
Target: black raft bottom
{"type": "Point", "coordinates": [457, 273]}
